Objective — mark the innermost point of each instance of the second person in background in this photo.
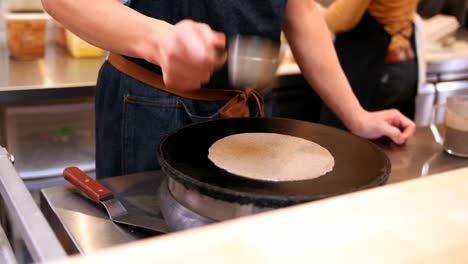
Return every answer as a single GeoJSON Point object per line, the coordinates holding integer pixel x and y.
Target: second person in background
{"type": "Point", "coordinates": [376, 49]}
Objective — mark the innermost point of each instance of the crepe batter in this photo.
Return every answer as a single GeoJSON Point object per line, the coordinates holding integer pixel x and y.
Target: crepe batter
{"type": "Point", "coordinates": [271, 157]}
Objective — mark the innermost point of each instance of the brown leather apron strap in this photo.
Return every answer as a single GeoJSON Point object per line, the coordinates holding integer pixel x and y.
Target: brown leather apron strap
{"type": "Point", "coordinates": [238, 100]}
{"type": "Point", "coordinates": [236, 105]}
{"type": "Point", "coordinates": [400, 55]}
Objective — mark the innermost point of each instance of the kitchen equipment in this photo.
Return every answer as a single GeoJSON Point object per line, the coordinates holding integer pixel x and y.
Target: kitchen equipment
{"type": "Point", "coordinates": [197, 184]}
{"type": "Point", "coordinates": [424, 103]}
{"type": "Point", "coordinates": [25, 6]}
{"type": "Point", "coordinates": [117, 212]}
{"type": "Point", "coordinates": [63, 129]}
{"type": "Point", "coordinates": [26, 34]}
{"type": "Point", "coordinates": [79, 48]}
{"type": "Point", "coordinates": [68, 213]}
{"type": "Point", "coordinates": [439, 28]}
{"type": "Point", "coordinates": [252, 62]}
{"type": "Point", "coordinates": [455, 139]}
{"type": "Point", "coordinates": [177, 216]}
{"type": "Point", "coordinates": [448, 77]}
{"type": "Point", "coordinates": [446, 89]}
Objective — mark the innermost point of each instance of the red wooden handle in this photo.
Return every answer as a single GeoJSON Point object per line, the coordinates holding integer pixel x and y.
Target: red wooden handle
{"type": "Point", "coordinates": [94, 190]}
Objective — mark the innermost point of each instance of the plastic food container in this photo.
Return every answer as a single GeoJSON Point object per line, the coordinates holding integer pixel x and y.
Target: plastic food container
{"type": "Point", "coordinates": [60, 36]}
{"type": "Point", "coordinates": [26, 34]}
{"type": "Point", "coordinates": [25, 5]}
{"type": "Point", "coordinates": [79, 48]}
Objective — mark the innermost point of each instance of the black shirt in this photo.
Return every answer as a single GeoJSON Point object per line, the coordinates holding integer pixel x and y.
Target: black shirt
{"type": "Point", "coordinates": [247, 17]}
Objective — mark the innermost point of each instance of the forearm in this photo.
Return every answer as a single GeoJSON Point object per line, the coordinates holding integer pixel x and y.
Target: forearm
{"type": "Point", "coordinates": [110, 25]}
{"type": "Point", "coordinates": [313, 49]}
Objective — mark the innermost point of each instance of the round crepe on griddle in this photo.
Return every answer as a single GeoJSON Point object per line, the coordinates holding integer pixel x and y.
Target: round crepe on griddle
{"type": "Point", "coordinates": [271, 157]}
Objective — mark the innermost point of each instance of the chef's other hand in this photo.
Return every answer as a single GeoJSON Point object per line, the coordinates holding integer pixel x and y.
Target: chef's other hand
{"type": "Point", "coordinates": [189, 53]}
{"type": "Point", "coordinates": [391, 123]}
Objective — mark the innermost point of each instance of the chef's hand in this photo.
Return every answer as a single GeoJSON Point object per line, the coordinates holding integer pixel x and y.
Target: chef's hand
{"type": "Point", "coordinates": [189, 53]}
{"type": "Point", "coordinates": [390, 123]}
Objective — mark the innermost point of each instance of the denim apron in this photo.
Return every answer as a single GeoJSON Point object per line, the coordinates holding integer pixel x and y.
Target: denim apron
{"type": "Point", "coordinates": [132, 118]}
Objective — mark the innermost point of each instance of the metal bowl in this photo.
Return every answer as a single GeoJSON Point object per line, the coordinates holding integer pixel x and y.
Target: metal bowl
{"type": "Point", "coordinates": [252, 62]}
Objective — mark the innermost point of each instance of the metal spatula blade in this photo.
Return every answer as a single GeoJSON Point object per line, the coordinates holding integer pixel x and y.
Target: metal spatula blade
{"type": "Point", "coordinates": [115, 209]}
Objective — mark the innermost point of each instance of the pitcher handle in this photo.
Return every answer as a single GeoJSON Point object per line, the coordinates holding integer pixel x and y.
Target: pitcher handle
{"type": "Point", "coordinates": [435, 131]}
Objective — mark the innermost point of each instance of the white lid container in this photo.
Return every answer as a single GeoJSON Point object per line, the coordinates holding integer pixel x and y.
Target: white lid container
{"type": "Point", "coordinates": [26, 16]}
{"type": "Point", "coordinates": [25, 5]}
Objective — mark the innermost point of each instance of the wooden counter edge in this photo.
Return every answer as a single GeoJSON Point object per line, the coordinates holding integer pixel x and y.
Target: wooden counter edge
{"type": "Point", "coordinates": [418, 221]}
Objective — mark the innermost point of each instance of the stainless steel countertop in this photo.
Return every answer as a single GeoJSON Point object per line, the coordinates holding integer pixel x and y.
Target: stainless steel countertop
{"type": "Point", "coordinates": [28, 224]}
{"type": "Point", "coordinates": [84, 227]}
{"type": "Point", "coordinates": [57, 69]}
{"type": "Point", "coordinates": [420, 157]}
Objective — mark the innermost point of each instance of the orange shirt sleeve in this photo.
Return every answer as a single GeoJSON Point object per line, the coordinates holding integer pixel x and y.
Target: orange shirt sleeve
{"type": "Point", "coordinates": [343, 15]}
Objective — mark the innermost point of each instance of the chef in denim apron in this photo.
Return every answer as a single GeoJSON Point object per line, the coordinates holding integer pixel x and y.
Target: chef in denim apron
{"type": "Point", "coordinates": [177, 40]}
{"type": "Point", "coordinates": [145, 114]}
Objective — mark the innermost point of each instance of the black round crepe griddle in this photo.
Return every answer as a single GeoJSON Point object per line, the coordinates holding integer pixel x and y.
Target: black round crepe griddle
{"type": "Point", "coordinates": [183, 156]}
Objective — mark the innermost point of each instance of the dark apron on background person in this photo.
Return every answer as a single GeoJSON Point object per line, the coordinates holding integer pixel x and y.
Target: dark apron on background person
{"type": "Point", "coordinates": [132, 117]}
{"type": "Point", "coordinates": [377, 84]}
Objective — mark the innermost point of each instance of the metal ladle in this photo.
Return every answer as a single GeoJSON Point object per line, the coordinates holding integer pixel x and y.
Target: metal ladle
{"type": "Point", "coordinates": [252, 62]}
